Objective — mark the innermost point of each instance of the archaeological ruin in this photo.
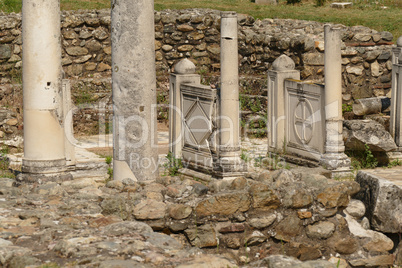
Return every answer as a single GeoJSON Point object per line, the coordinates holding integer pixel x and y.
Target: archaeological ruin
{"type": "Point", "coordinates": [197, 138]}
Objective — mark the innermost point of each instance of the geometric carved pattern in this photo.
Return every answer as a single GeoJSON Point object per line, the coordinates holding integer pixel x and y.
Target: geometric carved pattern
{"type": "Point", "coordinates": [198, 122]}
{"type": "Point", "coordinates": [303, 120]}
{"type": "Point", "coordinates": [198, 107]}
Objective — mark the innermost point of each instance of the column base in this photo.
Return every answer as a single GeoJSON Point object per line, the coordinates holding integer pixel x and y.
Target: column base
{"type": "Point", "coordinates": [229, 167]}
{"type": "Point", "coordinates": [43, 178]}
{"type": "Point", "coordinates": [42, 171]}
{"type": "Point", "coordinates": [337, 163]}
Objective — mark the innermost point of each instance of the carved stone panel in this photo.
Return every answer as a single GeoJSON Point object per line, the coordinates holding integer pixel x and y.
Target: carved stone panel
{"type": "Point", "coordinates": [305, 119]}
{"type": "Point", "coordinates": [199, 137]}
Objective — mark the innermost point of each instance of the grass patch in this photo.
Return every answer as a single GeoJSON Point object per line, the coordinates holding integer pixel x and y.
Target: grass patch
{"type": "Point", "coordinates": [368, 13]}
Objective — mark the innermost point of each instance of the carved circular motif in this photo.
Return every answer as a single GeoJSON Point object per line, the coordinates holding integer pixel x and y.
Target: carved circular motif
{"type": "Point", "coordinates": [303, 120]}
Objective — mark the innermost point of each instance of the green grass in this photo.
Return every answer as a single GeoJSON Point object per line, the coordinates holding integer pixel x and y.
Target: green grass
{"type": "Point", "coordinates": [364, 12]}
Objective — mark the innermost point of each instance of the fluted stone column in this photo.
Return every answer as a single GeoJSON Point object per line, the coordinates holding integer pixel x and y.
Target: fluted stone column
{"type": "Point", "coordinates": [44, 148]}
{"type": "Point", "coordinates": [134, 90]}
{"type": "Point", "coordinates": [229, 162]}
{"type": "Point", "coordinates": [334, 158]}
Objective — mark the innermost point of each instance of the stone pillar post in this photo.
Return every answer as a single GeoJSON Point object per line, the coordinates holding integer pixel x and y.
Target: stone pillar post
{"type": "Point", "coordinates": [396, 98]}
{"type": "Point", "coordinates": [184, 73]}
{"type": "Point", "coordinates": [282, 68]}
{"type": "Point", "coordinates": [44, 151]}
{"type": "Point", "coordinates": [135, 153]}
{"type": "Point", "coordinates": [229, 162]}
{"type": "Point", "coordinates": [334, 158]}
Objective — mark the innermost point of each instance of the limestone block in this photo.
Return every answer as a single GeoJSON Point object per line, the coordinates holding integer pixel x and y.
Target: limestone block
{"type": "Point", "coordinates": [341, 5]}
{"type": "Point", "coordinates": [288, 228]}
{"type": "Point", "coordinates": [358, 133]}
{"type": "Point", "coordinates": [202, 236]}
{"type": "Point", "coordinates": [387, 36]}
{"type": "Point", "coordinates": [357, 70]}
{"type": "Point", "coordinates": [262, 222]}
{"type": "Point", "coordinates": [5, 51]}
{"type": "Point", "coordinates": [383, 201]}
{"type": "Point", "coordinates": [356, 208]}
{"type": "Point", "coordinates": [229, 203]}
{"type": "Point", "coordinates": [76, 51]}
{"type": "Point", "coordinates": [320, 230]}
{"type": "Point", "coordinates": [316, 59]}
{"type": "Point", "coordinates": [150, 210]}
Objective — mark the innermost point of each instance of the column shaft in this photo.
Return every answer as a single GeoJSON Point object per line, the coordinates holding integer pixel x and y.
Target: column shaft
{"type": "Point", "coordinates": [134, 90]}
{"type": "Point", "coordinates": [334, 157]}
{"type": "Point", "coordinates": [42, 92]}
{"type": "Point", "coordinates": [229, 113]}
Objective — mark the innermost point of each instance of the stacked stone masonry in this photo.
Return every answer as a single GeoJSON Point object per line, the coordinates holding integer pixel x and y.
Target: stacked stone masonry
{"type": "Point", "coordinates": [195, 34]}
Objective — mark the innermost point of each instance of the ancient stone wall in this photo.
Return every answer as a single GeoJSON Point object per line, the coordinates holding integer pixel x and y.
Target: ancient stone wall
{"type": "Point", "coordinates": [194, 34]}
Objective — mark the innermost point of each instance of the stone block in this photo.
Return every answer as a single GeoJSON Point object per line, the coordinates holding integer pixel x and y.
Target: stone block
{"type": "Point", "coordinates": [358, 133]}
{"type": "Point", "coordinates": [383, 200]}
{"type": "Point", "coordinates": [341, 5]}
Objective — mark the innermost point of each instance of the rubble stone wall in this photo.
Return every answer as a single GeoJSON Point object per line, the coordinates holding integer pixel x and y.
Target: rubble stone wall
{"type": "Point", "coordinates": [195, 34]}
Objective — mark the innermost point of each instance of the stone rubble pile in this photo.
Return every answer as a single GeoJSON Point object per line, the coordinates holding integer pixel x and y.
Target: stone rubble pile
{"type": "Point", "coordinates": [181, 222]}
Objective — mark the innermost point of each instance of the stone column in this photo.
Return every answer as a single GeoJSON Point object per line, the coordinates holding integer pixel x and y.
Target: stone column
{"type": "Point", "coordinates": [396, 91]}
{"type": "Point", "coordinates": [334, 158]}
{"type": "Point", "coordinates": [44, 152]}
{"type": "Point", "coordinates": [229, 162]}
{"type": "Point", "coordinates": [135, 153]}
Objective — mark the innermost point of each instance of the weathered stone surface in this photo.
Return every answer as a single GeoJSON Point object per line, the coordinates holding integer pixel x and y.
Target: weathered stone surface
{"type": "Point", "coordinates": [383, 201]}
{"type": "Point", "coordinates": [150, 210]}
{"type": "Point", "coordinates": [288, 228]}
{"type": "Point", "coordinates": [100, 34]}
{"type": "Point", "coordinates": [214, 49]}
{"type": "Point", "coordinates": [232, 228]}
{"type": "Point", "coordinates": [297, 198]}
{"type": "Point", "coordinates": [315, 59]}
{"type": "Point", "coordinates": [126, 227]}
{"type": "Point", "coordinates": [255, 238]}
{"type": "Point", "coordinates": [280, 261]}
{"type": "Point", "coordinates": [356, 208]}
{"type": "Point", "coordinates": [208, 261]}
{"type": "Point", "coordinates": [185, 28]}
{"type": "Point", "coordinates": [309, 253]}
{"type": "Point", "coordinates": [5, 51]}
{"type": "Point", "coordinates": [372, 240]}
{"type": "Point", "coordinates": [262, 222]}
{"type": "Point", "coordinates": [382, 260]}
{"type": "Point", "coordinates": [346, 245]}
{"type": "Point", "coordinates": [93, 45]}
{"type": "Point", "coordinates": [202, 236]}
{"type": "Point", "coordinates": [334, 196]}
{"type": "Point", "coordinates": [76, 51]}
{"type": "Point", "coordinates": [263, 197]}
{"type": "Point", "coordinates": [357, 133]}
{"type": "Point", "coordinates": [179, 211]}
{"type": "Point", "coordinates": [357, 70]}
{"type": "Point", "coordinates": [283, 63]}
{"type": "Point", "coordinates": [229, 203]}
{"type": "Point", "coordinates": [184, 66]}
{"type": "Point", "coordinates": [386, 36]}
{"type": "Point", "coordinates": [320, 230]}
